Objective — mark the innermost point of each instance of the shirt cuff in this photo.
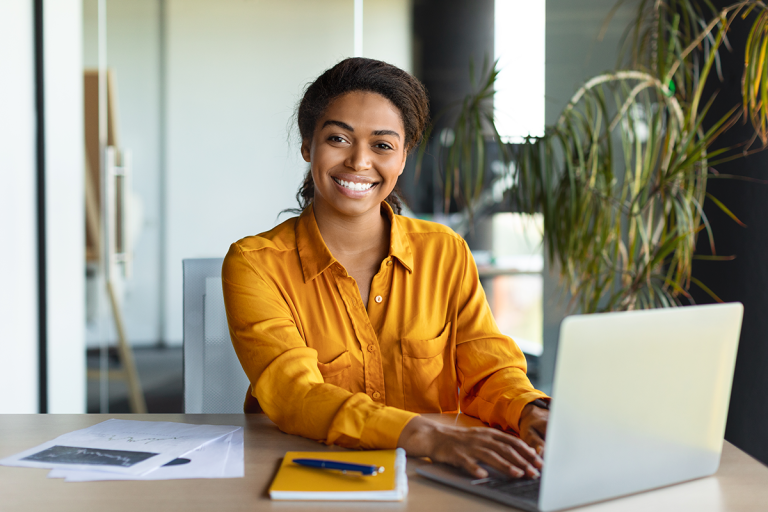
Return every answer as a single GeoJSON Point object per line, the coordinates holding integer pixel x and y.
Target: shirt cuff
{"type": "Point", "coordinates": [383, 427]}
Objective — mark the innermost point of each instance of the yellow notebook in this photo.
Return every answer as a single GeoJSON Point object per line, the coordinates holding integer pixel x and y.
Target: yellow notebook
{"type": "Point", "coordinates": [294, 482]}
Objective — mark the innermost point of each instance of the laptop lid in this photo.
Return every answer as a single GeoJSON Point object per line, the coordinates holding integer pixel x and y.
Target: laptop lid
{"type": "Point", "coordinates": [640, 401]}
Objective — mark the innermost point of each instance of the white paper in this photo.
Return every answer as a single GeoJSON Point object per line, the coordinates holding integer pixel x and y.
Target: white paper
{"type": "Point", "coordinates": [125, 447]}
{"type": "Point", "coordinates": [221, 458]}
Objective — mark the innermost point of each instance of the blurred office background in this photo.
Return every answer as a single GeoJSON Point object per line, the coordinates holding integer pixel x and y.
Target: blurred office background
{"type": "Point", "coordinates": [201, 95]}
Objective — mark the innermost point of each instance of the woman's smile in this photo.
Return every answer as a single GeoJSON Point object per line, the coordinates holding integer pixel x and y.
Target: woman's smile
{"type": "Point", "coordinates": [351, 185]}
{"type": "Point", "coordinates": [354, 186]}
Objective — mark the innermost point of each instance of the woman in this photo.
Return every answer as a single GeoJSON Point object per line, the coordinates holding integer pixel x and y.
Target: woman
{"type": "Point", "coordinates": [349, 320]}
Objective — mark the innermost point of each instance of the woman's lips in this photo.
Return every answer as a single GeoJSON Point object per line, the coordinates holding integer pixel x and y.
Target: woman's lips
{"type": "Point", "coordinates": [354, 189]}
{"type": "Point", "coordinates": [358, 186]}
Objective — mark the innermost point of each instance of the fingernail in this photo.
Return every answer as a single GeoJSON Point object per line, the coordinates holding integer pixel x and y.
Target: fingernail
{"type": "Point", "coordinates": [534, 472]}
{"type": "Point", "coordinates": [539, 449]}
{"type": "Point", "coordinates": [481, 473]}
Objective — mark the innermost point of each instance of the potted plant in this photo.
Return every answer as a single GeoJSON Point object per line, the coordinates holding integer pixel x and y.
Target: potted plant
{"type": "Point", "coordinates": [621, 177]}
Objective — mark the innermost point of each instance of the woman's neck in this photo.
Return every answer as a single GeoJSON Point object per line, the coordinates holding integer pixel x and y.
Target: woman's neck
{"type": "Point", "coordinates": [348, 236]}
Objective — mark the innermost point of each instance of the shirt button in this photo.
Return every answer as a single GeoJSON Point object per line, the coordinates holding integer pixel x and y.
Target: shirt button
{"type": "Point", "coordinates": [389, 263]}
{"type": "Point", "coordinates": [376, 395]}
{"type": "Point", "coordinates": [371, 348]}
{"type": "Point", "coordinates": [378, 299]}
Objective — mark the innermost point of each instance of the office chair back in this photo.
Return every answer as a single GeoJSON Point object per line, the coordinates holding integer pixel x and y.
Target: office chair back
{"type": "Point", "coordinates": [214, 381]}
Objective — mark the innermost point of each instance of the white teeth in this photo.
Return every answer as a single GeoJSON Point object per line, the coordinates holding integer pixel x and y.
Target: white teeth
{"type": "Point", "coordinates": [353, 186]}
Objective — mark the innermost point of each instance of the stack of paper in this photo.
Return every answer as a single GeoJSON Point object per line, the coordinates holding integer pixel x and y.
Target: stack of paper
{"type": "Point", "coordinates": [139, 450]}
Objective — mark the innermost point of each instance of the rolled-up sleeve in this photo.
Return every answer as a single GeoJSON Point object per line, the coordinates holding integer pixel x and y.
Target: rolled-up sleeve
{"type": "Point", "coordinates": [283, 370]}
{"type": "Point", "coordinates": [491, 367]}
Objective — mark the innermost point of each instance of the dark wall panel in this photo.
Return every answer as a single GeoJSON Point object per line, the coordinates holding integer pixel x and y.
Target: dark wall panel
{"type": "Point", "coordinates": [744, 279]}
{"type": "Point", "coordinates": [447, 34]}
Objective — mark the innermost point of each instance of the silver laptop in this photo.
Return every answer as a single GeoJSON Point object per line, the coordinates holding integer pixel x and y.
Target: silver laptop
{"type": "Point", "coordinates": [640, 401]}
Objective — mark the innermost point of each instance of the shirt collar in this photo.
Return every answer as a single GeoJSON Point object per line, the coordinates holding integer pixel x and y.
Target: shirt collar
{"type": "Point", "coordinates": [315, 256]}
{"type": "Point", "coordinates": [398, 241]}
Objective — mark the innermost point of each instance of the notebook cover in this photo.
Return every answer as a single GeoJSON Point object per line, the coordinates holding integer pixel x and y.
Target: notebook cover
{"type": "Point", "coordinates": [294, 482]}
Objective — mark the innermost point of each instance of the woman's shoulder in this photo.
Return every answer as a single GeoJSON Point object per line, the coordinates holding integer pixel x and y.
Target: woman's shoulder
{"type": "Point", "coordinates": [265, 251]}
{"type": "Point", "coordinates": [428, 232]}
{"type": "Point", "coordinates": [280, 238]}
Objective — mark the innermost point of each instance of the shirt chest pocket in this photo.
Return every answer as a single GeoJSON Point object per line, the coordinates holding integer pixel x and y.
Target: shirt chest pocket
{"type": "Point", "coordinates": [425, 386]}
{"type": "Point", "coordinates": [336, 371]}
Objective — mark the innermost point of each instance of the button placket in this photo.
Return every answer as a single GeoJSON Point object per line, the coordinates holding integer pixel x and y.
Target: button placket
{"type": "Point", "coordinates": [366, 335]}
{"type": "Point", "coordinates": [381, 284]}
{"type": "Point", "coordinates": [377, 308]}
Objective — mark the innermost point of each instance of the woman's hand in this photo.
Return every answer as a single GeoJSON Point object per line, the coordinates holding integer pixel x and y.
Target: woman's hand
{"type": "Point", "coordinates": [533, 427]}
{"type": "Point", "coordinates": [467, 448]}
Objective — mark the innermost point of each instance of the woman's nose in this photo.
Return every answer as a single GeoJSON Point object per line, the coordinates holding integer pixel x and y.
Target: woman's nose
{"type": "Point", "coordinates": [358, 158]}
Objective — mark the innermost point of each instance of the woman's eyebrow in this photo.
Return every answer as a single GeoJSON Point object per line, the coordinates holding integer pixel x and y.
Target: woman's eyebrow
{"type": "Point", "coordinates": [386, 132]}
{"type": "Point", "coordinates": [340, 124]}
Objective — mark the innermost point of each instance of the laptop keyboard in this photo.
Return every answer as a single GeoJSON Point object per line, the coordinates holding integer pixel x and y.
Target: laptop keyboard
{"type": "Point", "coordinates": [524, 489]}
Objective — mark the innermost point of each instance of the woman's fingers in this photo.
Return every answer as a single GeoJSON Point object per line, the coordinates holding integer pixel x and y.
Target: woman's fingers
{"type": "Point", "coordinates": [473, 448]}
{"type": "Point", "coordinates": [503, 465]}
{"type": "Point", "coordinates": [512, 456]}
{"type": "Point", "coordinates": [506, 453]}
{"type": "Point", "coordinates": [519, 446]}
{"type": "Point", "coordinates": [535, 441]}
{"type": "Point", "coordinates": [533, 427]}
{"type": "Point", "coordinates": [471, 466]}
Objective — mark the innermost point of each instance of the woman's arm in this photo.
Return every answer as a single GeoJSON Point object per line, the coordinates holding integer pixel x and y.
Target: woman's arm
{"type": "Point", "coordinates": [283, 371]}
{"type": "Point", "coordinates": [494, 386]}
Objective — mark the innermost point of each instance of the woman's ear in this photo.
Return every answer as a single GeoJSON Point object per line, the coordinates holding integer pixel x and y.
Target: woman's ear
{"type": "Point", "coordinates": [306, 145]}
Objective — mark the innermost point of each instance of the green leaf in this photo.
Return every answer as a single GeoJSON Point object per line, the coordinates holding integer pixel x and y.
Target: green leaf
{"type": "Point", "coordinates": [725, 210]}
{"type": "Point", "coordinates": [705, 257]}
{"type": "Point", "coordinates": [706, 289]}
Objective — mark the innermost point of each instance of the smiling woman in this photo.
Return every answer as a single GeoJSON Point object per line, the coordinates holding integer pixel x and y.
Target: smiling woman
{"type": "Point", "coordinates": [350, 319]}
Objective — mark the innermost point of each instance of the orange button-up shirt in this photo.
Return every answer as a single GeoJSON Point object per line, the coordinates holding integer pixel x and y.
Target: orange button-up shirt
{"type": "Point", "coordinates": [323, 367]}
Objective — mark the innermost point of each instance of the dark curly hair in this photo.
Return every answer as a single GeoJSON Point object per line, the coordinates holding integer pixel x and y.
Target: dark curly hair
{"type": "Point", "coordinates": [369, 75]}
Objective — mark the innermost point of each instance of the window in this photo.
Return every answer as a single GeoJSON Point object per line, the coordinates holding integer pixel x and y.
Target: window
{"type": "Point", "coordinates": [519, 48]}
{"type": "Point", "coordinates": [512, 277]}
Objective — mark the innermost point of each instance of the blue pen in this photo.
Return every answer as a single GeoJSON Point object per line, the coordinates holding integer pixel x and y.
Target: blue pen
{"type": "Point", "coordinates": [365, 469]}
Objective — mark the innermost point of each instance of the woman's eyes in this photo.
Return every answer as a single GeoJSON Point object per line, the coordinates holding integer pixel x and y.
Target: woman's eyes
{"type": "Point", "coordinates": [341, 140]}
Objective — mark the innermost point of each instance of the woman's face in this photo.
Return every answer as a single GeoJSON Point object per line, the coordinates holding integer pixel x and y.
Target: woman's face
{"type": "Point", "coordinates": [356, 153]}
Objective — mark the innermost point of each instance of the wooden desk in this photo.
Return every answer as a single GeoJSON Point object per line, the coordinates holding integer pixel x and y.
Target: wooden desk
{"type": "Point", "coordinates": [741, 484]}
